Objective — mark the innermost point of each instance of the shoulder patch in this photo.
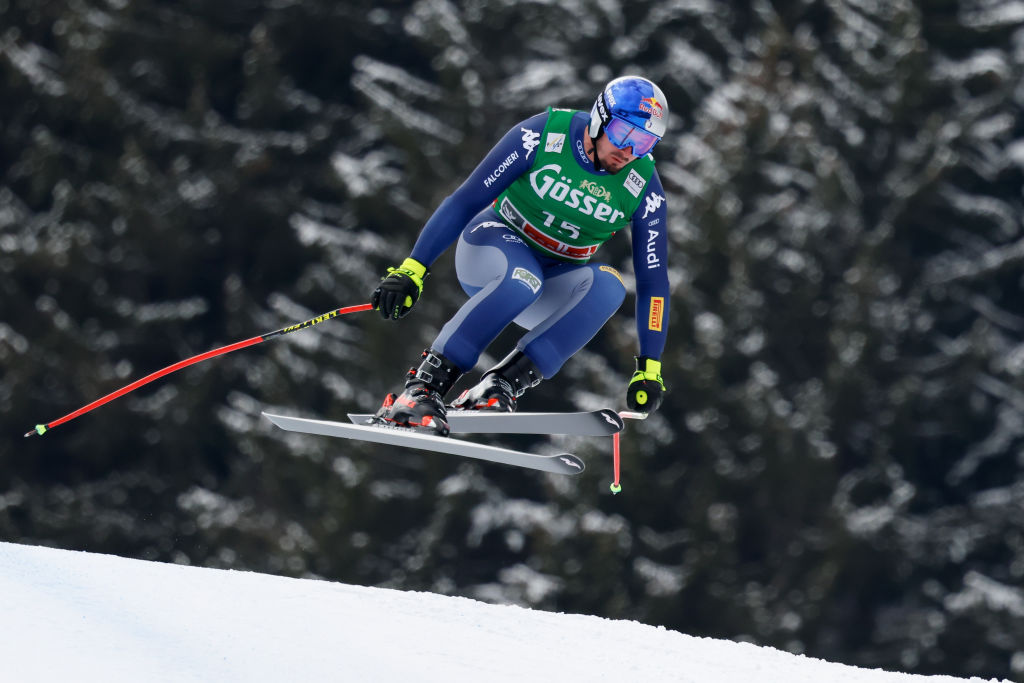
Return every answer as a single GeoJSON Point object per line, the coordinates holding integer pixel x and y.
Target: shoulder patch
{"type": "Point", "coordinates": [554, 142]}
{"type": "Point", "coordinates": [634, 183]}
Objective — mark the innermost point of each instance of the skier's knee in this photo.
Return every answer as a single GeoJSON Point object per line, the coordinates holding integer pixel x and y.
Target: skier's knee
{"type": "Point", "coordinates": [608, 284]}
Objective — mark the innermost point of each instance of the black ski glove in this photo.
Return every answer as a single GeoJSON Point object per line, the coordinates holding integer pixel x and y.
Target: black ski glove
{"type": "Point", "coordinates": [400, 289]}
{"type": "Point", "coordinates": [645, 389]}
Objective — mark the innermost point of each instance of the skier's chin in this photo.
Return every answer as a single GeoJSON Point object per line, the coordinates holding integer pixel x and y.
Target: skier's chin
{"type": "Point", "coordinates": [616, 163]}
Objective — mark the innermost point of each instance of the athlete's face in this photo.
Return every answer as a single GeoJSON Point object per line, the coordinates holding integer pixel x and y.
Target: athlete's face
{"type": "Point", "coordinates": [613, 158]}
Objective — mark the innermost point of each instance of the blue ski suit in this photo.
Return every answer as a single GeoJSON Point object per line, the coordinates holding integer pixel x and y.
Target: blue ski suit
{"type": "Point", "coordinates": [571, 301]}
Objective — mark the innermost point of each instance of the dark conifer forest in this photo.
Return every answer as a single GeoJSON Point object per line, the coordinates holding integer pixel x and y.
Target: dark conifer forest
{"type": "Point", "coordinates": [838, 467]}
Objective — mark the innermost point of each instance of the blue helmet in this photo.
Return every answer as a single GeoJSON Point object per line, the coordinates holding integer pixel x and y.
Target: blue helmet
{"type": "Point", "coordinates": [636, 102]}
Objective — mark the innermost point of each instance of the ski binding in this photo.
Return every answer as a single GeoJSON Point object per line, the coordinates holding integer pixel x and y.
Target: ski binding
{"type": "Point", "coordinates": [604, 422]}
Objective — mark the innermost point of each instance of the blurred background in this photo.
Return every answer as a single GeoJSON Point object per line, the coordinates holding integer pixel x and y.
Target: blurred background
{"type": "Point", "coordinates": [837, 469]}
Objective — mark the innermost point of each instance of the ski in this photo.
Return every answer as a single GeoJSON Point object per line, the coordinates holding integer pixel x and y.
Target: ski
{"type": "Point", "coordinates": [604, 422]}
{"type": "Point", "coordinates": [562, 463]}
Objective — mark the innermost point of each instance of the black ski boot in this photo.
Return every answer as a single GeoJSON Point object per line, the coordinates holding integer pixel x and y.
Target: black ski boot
{"type": "Point", "coordinates": [501, 386]}
{"type": "Point", "coordinates": [421, 406]}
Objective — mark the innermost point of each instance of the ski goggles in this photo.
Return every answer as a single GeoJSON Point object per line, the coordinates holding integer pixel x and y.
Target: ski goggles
{"type": "Point", "coordinates": [623, 134]}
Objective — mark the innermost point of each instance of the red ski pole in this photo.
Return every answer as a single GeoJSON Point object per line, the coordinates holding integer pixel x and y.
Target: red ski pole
{"type": "Point", "coordinates": [616, 486]}
{"type": "Point", "coordinates": [43, 428]}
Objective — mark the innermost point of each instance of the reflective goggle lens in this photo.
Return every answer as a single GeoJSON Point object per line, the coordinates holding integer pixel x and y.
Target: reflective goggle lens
{"type": "Point", "coordinates": [623, 134]}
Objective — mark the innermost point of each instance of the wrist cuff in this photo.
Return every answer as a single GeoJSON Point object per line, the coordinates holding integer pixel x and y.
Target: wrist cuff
{"type": "Point", "coordinates": [648, 369]}
{"type": "Point", "coordinates": [414, 267]}
{"type": "Point", "coordinates": [648, 366]}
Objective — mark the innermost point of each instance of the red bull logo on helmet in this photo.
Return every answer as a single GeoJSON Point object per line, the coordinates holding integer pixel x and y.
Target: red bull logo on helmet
{"type": "Point", "coordinates": [652, 106]}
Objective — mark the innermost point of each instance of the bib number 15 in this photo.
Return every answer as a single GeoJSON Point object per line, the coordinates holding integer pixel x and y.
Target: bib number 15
{"type": "Point", "coordinates": [573, 230]}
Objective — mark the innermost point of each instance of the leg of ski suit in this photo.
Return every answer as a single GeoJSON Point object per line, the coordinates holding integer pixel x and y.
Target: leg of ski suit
{"type": "Point", "coordinates": [562, 304]}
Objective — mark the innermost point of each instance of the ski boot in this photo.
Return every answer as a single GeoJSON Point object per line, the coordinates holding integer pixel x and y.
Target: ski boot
{"type": "Point", "coordinates": [421, 406]}
{"type": "Point", "coordinates": [501, 386]}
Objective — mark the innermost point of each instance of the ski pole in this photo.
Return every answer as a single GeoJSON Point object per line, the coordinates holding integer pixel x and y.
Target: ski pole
{"type": "Point", "coordinates": [616, 487]}
{"type": "Point", "coordinates": [43, 428]}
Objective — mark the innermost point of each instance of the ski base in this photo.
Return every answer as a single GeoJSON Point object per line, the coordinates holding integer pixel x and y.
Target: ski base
{"type": "Point", "coordinates": [561, 463]}
{"type": "Point", "coordinates": [604, 422]}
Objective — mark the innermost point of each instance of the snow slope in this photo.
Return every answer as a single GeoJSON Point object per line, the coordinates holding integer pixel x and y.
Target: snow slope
{"type": "Point", "coordinates": [86, 617]}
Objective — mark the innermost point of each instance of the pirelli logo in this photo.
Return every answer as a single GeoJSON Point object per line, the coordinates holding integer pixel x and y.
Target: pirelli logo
{"type": "Point", "coordinates": [656, 317]}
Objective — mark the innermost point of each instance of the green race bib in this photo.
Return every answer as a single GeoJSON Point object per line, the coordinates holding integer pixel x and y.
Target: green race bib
{"type": "Point", "coordinates": [564, 210]}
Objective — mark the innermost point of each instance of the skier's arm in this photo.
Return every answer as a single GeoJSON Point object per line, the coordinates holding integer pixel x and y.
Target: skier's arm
{"type": "Point", "coordinates": [400, 289]}
{"type": "Point", "coordinates": [650, 266]}
{"type": "Point", "coordinates": [507, 160]}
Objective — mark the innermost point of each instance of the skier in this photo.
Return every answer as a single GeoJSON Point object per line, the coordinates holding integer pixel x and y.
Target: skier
{"type": "Point", "coordinates": [528, 220]}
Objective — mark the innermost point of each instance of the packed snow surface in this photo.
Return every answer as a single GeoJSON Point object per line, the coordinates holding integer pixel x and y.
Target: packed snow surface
{"type": "Point", "coordinates": [83, 617]}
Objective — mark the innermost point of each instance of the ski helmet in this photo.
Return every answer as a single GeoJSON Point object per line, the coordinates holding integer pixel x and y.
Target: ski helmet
{"type": "Point", "coordinates": [632, 111]}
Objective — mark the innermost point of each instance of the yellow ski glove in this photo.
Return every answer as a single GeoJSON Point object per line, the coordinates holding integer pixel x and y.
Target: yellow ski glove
{"type": "Point", "coordinates": [399, 290]}
{"type": "Point", "coordinates": [646, 387]}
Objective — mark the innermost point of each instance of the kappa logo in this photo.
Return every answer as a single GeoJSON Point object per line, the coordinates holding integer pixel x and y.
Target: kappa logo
{"type": "Point", "coordinates": [554, 142]}
{"type": "Point", "coordinates": [634, 183]}
{"type": "Point", "coordinates": [527, 278]}
{"type": "Point", "coordinates": [488, 224]}
{"type": "Point", "coordinates": [653, 203]}
{"type": "Point", "coordinates": [531, 139]}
